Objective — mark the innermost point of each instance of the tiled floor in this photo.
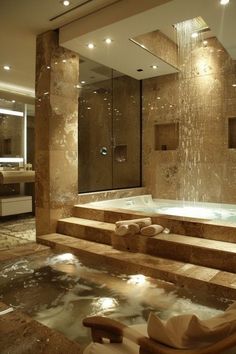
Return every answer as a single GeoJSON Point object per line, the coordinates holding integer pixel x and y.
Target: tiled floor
{"type": "Point", "coordinates": [16, 231]}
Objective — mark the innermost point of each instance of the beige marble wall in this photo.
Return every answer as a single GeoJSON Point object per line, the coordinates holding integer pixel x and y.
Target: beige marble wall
{"type": "Point", "coordinates": [201, 102]}
{"type": "Point", "coordinates": [56, 129]}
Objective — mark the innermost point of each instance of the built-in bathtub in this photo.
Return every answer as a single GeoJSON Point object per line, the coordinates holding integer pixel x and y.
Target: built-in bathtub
{"type": "Point", "coordinates": [199, 210]}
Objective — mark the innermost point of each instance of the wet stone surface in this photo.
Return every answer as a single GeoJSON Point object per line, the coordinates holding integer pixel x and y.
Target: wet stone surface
{"type": "Point", "coordinates": [58, 291]}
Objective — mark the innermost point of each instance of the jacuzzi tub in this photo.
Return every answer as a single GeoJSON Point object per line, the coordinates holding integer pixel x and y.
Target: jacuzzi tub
{"type": "Point", "coordinates": [200, 210]}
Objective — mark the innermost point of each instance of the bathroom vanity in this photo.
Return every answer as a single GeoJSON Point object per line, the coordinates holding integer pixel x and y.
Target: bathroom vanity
{"type": "Point", "coordinates": [16, 204]}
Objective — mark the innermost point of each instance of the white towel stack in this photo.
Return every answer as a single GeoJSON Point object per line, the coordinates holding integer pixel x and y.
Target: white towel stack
{"type": "Point", "coordinates": [131, 227]}
{"type": "Point", "coordinates": [135, 226]}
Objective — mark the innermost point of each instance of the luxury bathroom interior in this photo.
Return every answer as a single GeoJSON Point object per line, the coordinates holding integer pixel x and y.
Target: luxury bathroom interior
{"type": "Point", "coordinates": [128, 117]}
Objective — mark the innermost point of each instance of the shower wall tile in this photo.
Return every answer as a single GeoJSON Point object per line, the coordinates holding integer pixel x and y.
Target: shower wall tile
{"type": "Point", "coordinates": [205, 172]}
{"type": "Point", "coordinates": [57, 71]}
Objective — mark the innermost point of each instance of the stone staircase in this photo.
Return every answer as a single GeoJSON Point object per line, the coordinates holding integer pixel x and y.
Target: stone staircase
{"type": "Point", "coordinates": [197, 253]}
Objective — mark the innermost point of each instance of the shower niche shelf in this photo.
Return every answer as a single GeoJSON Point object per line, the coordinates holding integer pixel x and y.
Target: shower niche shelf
{"type": "Point", "coordinates": [232, 133]}
{"type": "Point", "coordinates": [166, 136]}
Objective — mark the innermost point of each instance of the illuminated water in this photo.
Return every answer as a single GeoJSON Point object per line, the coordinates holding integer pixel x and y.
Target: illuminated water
{"type": "Point", "coordinates": [59, 291]}
{"type": "Point", "coordinates": [145, 203]}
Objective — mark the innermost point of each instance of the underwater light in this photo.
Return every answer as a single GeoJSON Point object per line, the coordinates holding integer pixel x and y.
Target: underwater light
{"type": "Point", "coordinates": [106, 303]}
{"type": "Point", "coordinates": [65, 257]}
{"type": "Point", "coordinates": [137, 279]}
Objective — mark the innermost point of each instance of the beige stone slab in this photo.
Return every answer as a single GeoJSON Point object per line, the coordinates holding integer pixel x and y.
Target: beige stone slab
{"type": "Point", "coordinates": [21, 334]}
{"type": "Point", "coordinates": [198, 272]}
{"type": "Point", "coordinates": [90, 223]}
{"type": "Point", "coordinates": [211, 244]}
{"type": "Point", "coordinates": [225, 279]}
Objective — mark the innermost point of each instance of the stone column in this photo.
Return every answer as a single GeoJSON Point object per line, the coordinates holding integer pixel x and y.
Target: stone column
{"type": "Point", "coordinates": [56, 132]}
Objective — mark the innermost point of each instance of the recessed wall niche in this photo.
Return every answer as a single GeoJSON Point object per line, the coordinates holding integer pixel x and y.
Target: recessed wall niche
{"type": "Point", "coordinates": [232, 133]}
{"type": "Point", "coordinates": [166, 136]}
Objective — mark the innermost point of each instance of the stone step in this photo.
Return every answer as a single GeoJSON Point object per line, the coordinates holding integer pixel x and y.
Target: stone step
{"type": "Point", "coordinates": [208, 229]}
{"type": "Point", "coordinates": [209, 253]}
{"type": "Point", "coordinates": [209, 280]}
{"type": "Point", "coordinates": [199, 251]}
{"type": "Point", "coordinates": [97, 231]}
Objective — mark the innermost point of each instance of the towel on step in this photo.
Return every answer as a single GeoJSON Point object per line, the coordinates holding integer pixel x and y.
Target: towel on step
{"type": "Point", "coordinates": [188, 331]}
{"type": "Point", "coordinates": [151, 230]}
{"type": "Point", "coordinates": [129, 229]}
{"type": "Point", "coordinates": [141, 222]}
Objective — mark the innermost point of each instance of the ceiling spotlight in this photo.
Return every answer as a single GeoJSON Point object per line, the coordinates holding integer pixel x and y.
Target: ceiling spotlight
{"type": "Point", "coordinates": [6, 67]}
{"type": "Point", "coordinates": [91, 46]}
{"type": "Point", "coordinates": [205, 43]}
{"type": "Point", "coordinates": [154, 66]}
{"type": "Point", "coordinates": [66, 2]}
{"type": "Point", "coordinates": [194, 35]}
{"type": "Point", "coordinates": [108, 40]}
{"type": "Point", "coordinates": [234, 85]}
{"type": "Point", "coordinates": [83, 82]}
{"type": "Point", "coordinates": [224, 2]}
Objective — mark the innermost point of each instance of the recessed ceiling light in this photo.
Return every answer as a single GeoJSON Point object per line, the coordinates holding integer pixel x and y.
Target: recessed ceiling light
{"type": "Point", "coordinates": [224, 2]}
{"type": "Point", "coordinates": [83, 82]}
{"type": "Point", "coordinates": [194, 35]}
{"type": "Point", "coordinates": [66, 2]}
{"type": "Point", "coordinates": [154, 66]}
{"type": "Point", "coordinates": [91, 46]}
{"type": "Point", "coordinates": [6, 67]}
{"type": "Point", "coordinates": [13, 101]}
{"type": "Point", "coordinates": [108, 40]}
{"type": "Point", "coordinates": [234, 85]}
{"type": "Point", "coordinates": [205, 43]}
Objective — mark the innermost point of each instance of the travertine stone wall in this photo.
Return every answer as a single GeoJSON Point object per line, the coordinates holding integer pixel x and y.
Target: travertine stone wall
{"type": "Point", "coordinates": [206, 98]}
{"type": "Point", "coordinates": [56, 130]}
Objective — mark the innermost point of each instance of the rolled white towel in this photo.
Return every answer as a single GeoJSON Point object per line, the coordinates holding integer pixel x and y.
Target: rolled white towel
{"type": "Point", "coordinates": [122, 230]}
{"type": "Point", "coordinates": [152, 230]}
{"type": "Point", "coordinates": [130, 229]}
{"type": "Point", "coordinates": [133, 228]}
{"type": "Point", "coordinates": [141, 222]}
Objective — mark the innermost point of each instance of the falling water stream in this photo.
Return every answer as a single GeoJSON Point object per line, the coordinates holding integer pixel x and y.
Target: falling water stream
{"type": "Point", "coordinates": [191, 130]}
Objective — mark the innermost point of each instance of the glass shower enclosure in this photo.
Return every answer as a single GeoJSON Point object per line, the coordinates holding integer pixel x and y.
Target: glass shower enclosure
{"type": "Point", "coordinates": [109, 129]}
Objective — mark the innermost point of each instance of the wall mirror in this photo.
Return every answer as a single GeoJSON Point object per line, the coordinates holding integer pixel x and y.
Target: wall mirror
{"type": "Point", "coordinates": [15, 121]}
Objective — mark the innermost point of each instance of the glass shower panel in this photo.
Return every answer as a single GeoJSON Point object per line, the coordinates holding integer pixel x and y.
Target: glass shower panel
{"type": "Point", "coordinates": [109, 129]}
{"type": "Point", "coordinates": [95, 130]}
{"type": "Point", "coordinates": [126, 132]}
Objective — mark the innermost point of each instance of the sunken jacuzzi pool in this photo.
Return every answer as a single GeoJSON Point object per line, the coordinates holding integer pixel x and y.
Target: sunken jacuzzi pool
{"type": "Point", "coordinates": [59, 291]}
{"type": "Point", "coordinates": [145, 203]}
